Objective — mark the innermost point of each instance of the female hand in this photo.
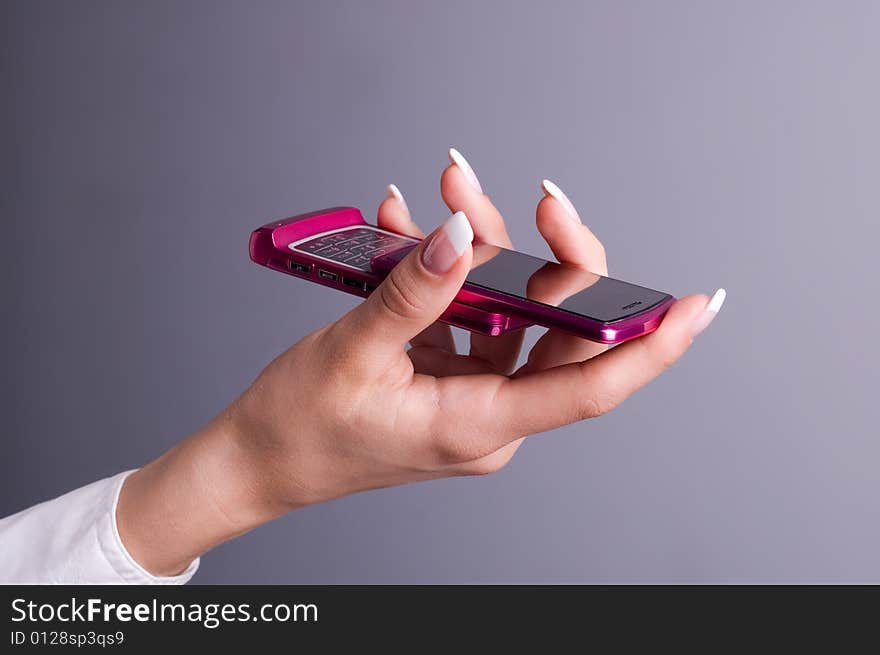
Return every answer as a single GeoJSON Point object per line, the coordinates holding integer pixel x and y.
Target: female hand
{"type": "Point", "coordinates": [348, 408]}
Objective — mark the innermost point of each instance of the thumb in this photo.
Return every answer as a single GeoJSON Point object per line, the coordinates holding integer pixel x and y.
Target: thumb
{"type": "Point", "coordinates": [419, 289]}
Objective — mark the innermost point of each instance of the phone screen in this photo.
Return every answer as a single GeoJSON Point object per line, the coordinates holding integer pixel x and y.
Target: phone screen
{"type": "Point", "coordinates": [571, 289]}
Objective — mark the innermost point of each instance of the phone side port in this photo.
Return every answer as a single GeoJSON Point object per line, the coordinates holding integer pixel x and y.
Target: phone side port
{"type": "Point", "coordinates": [297, 267]}
{"type": "Point", "coordinates": [354, 284]}
{"type": "Point", "coordinates": [327, 275]}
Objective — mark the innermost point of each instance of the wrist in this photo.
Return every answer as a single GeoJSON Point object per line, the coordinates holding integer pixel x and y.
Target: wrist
{"type": "Point", "coordinates": [204, 491]}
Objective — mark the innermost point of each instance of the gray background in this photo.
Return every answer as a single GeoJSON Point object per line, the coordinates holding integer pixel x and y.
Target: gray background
{"type": "Point", "coordinates": [707, 143]}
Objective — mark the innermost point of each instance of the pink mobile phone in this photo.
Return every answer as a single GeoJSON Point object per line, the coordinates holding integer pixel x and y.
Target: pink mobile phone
{"type": "Point", "coordinates": [505, 290]}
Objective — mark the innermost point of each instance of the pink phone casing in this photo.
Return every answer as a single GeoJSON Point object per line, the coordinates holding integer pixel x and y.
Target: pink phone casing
{"type": "Point", "coordinates": [476, 309]}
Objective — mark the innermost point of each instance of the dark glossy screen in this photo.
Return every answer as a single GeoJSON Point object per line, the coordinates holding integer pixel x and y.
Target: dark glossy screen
{"type": "Point", "coordinates": [580, 292]}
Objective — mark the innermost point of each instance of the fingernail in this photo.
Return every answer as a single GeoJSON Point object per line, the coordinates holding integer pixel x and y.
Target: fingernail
{"type": "Point", "coordinates": [394, 192]}
{"type": "Point", "coordinates": [458, 159]}
{"type": "Point", "coordinates": [702, 321]}
{"type": "Point", "coordinates": [554, 191]}
{"type": "Point", "coordinates": [447, 244]}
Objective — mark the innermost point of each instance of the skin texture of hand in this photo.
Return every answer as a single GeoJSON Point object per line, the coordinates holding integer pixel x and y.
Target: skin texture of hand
{"type": "Point", "coordinates": [374, 413]}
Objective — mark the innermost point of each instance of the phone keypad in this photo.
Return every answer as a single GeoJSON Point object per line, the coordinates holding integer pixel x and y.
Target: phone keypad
{"type": "Point", "coordinates": [355, 247]}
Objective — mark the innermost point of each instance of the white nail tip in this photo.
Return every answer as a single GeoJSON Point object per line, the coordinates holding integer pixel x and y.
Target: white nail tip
{"type": "Point", "coordinates": [394, 192]}
{"type": "Point", "coordinates": [717, 300]}
{"type": "Point", "coordinates": [458, 231]}
{"type": "Point", "coordinates": [458, 159]}
{"type": "Point", "coordinates": [557, 193]}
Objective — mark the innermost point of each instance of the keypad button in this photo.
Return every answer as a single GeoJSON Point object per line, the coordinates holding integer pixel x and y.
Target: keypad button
{"type": "Point", "coordinates": [348, 257]}
{"type": "Point", "coordinates": [311, 246]}
{"type": "Point", "coordinates": [360, 261]}
{"type": "Point", "coordinates": [337, 238]}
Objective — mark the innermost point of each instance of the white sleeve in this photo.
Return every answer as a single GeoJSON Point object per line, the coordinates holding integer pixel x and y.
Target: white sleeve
{"type": "Point", "coordinates": [73, 539]}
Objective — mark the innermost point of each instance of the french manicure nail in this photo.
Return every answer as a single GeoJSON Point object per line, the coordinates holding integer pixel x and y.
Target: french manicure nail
{"type": "Point", "coordinates": [458, 159]}
{"type": "Point", "coordinates": [555, 192]}
{"type": "Point", "coordinates": [394, 192]}
{"type": "Point", "coordinates": [447, 244]}
{"type": "Point", "coordinates": [712, 308]}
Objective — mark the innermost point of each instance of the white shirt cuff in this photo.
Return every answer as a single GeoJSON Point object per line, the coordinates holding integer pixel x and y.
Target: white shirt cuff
{"type": "Point", "coordinates": [74, 539]}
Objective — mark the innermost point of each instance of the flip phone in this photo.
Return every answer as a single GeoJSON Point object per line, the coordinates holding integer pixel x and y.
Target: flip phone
{"type": "Point", "coordinates": [505, 290]}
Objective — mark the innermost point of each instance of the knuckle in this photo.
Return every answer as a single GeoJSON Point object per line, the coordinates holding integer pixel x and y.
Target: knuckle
{"type": "Point", "coordinates": [600, 404]}
{"type": "Point", "coordinates": [449, 451]}
{"type": "Point", "coordinates": [463, 435]}
{"type": "Point", "coordinates": [399, 296]}
{"type": "Point", "coordinates": [452, 448]}
{"type": "Point", "coordinates": [590, 407]}
{"type": "Point", "coordinates": [601, 398]}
